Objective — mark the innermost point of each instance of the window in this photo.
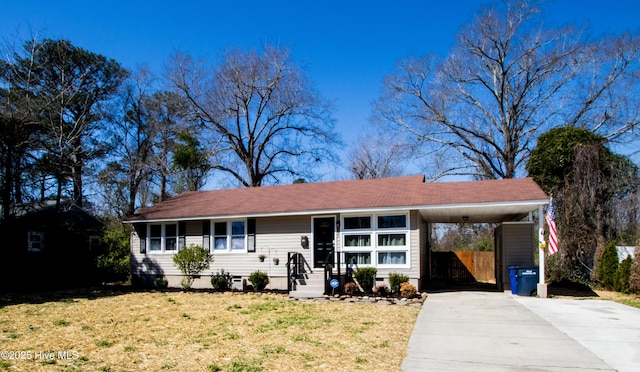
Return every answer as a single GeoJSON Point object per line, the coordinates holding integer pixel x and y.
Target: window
{"type": "Point", "coordinates": [392, 222]}
{"type": "Point", "coordinates": [386, 240]}
{"type": "Point", "coordinates": [358, 258]}
{"type": "Point", "coordinates": [357, 240]}
{"type": "Point", "coordinates": [354, 223]}
{"type": "Point", "coordinates": [230, 236]}
{"type": "Point", "coordinates": [220, 236]}
{"type": "Point", "coordinates": [155, 238]}
{"type": "Point", "coordinates": [171, 237]}
{"type": "Point", "coordinates": [237, 235]}
{"type": "Point", "coordinates": [163, 237]}
{"type": "Point", "coordinates": [392, 258]}
{"type": "Point", "coordinates": [384, 244]}
{"type": "Point", "coordinates": [35, 240]}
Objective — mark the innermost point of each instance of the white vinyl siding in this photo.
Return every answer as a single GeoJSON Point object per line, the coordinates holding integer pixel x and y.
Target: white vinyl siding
{"type": "Point", "coordinates": [275, 236]}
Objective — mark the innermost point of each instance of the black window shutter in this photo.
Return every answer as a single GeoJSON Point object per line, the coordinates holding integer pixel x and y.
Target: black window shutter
{"type": "Point", "coordinates": [251, 234]}
{"type": "Point", "coordinates": [141, 229]}
{"type": "Point", "coordinates": [206, 232]}
{"type": "Point", "coordinates": [182, 232]}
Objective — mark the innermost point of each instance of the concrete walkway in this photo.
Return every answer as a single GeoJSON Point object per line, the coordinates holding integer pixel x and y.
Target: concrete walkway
{"type": "Point", "coordinates": [497, 331]}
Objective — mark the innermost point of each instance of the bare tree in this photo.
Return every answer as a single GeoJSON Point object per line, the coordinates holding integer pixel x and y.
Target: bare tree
{"type": "Point", "coordinates": [130, 169]}
{"type": "Point", "coordinates": [508, 79]}
{"type": "Point", "coordinates": [262, 111]}
{"type": "Point", "coordinates": [377, 156]}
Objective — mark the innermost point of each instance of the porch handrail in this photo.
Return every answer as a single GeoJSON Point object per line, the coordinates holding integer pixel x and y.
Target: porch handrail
{"type": "Point", "coordinates": [328, 271]}
{"type": "Point", "coordinates": [296, 264]}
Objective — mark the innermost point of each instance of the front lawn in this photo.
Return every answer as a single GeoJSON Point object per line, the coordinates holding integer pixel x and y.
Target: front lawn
{"type": "Point", "coordinates": [153, 331]}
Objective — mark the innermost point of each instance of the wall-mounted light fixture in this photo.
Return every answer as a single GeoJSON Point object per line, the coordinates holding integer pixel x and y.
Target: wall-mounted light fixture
{"type": "Point", "coordinates": [338, 225]}
{"type": "Point", "coordinates": [304, 241]}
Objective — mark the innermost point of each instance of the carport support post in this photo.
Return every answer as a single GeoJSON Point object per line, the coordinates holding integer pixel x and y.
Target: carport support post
{"type": "Point", "coordinates": [542, 286]}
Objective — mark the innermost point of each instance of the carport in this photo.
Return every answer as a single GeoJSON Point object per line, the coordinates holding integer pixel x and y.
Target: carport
{"type": "Point", "coordinates": [511, 206]}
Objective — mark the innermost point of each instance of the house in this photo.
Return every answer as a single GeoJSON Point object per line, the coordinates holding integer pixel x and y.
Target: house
{"type": "Point", "coordinates": [55, 242]}
{"type": "Point", "coordinates": [320, 231]}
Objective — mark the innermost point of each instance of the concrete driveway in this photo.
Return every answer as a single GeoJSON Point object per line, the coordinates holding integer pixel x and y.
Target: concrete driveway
{"type": "Point", "coordinates": [497, 331]}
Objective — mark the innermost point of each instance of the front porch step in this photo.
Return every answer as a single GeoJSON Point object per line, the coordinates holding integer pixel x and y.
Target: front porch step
{"type": "Point", "coordinates": [310, 285]}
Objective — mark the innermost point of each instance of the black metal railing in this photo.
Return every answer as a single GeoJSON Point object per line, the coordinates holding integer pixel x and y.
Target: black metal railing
{"type": "Point", "coordinates": [297, 265]}
{"type": "Point", "coordinates": [328, 271]}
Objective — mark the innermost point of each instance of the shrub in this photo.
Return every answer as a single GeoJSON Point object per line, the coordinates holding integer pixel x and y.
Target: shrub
{"type": "Point", "coordinates": [634, 278]}
{"type": "Point", "coordinates": [407, 290]}
{"type": "Point", "coordinates": [259, 280]}
{"type": "Point", "coordinates": [621, 278]}
{"type": "Point", "coordinates": [382, 290]}
{"type": "Point", "coordinates": [365, 276]}
{"type": "Point", "coordinates": [162, 282]}
{"type": "Point", "coordinates": [607, 266]}
{"type": "Point", "coordinates": [351, 288]}
{"type": "Point", "coordinates": [112, 256]}
{"type": "Point", "coordinates": [395, 279]}
{"type": "Point", "coordinates": [191, 261]}
{"type": "Point", "coordinates": [221, 281]}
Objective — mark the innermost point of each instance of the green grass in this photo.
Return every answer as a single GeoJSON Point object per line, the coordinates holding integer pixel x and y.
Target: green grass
{"type": "Point", "coordinates": [633, 302]}
{"type": "Point", "coordinates": [105, 343]}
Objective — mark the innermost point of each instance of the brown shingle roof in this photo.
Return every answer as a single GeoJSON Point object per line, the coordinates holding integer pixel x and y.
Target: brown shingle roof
{"type": "Point", "coordinates": [400, 192]}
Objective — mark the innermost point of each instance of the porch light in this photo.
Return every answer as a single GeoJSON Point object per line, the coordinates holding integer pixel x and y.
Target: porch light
{"type": "Point", "coordinates": [304, 241]}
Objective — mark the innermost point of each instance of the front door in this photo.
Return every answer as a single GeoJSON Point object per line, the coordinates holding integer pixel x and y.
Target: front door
{"type": "Point", "coordinates": [323, 235]}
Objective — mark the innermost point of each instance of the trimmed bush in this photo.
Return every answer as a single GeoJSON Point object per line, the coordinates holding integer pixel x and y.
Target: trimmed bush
{"type": "Point", "coordinates": [351, 288]}
{"type": "Point", "coordinates": [259, 280]}
{"type": "Point", "coordinates": [407, 290]}
{"type": "Point", "coordinates": [191, 261]}
{"type": "Point", "coordinates": [162, 282]}
{"type": "Point", "coordinates": [607, 266]}
{"type": "Point", "coordinates": [621, 281]}
{"type": "Point", "coordinates": [381, 290]}
{"type": "Point", "coordinates": [365, 276]}
{"type": "Point", "coordinates": [221, 281]}
{"type": "Point", "coordinates": [395, 279]}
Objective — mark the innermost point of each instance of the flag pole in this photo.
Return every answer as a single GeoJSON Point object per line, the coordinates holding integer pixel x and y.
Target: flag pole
{"type": "Point", "coordinates": [542, 285]}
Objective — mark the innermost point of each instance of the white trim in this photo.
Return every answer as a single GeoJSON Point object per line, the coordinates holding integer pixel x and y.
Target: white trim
{"type": "Point", "coordinates": [229, 236]}
{"type": "Point", "coordinates": [374, 232]}
{"type": "Point", "coordinates": [163, 242]}
{"type": "Point", "coordinates": [350, 211]}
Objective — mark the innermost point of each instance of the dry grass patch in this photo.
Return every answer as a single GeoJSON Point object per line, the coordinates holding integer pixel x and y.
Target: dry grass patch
{"type": "Point", "coordinates": [626, 299]}
{"type": "Point", "coordinates": [204, 332]}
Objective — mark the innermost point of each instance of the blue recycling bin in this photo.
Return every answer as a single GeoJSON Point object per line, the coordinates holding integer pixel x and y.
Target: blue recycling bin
{"type": "Point", "coordinates": [513, 281]}
{"type": "Point", "coordinates": [527, 281]}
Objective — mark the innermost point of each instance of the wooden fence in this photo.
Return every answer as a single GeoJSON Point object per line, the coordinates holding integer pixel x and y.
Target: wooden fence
{"type": "Point", "coordinates": [463, 266]}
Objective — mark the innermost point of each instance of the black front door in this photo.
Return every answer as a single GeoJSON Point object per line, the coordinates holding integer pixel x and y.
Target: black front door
{"type": "Point", "coordinates": [323, 234]}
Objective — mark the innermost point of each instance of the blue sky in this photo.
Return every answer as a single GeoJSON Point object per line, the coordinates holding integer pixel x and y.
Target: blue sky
{"type": "Point", "coordinates": [347, 47]}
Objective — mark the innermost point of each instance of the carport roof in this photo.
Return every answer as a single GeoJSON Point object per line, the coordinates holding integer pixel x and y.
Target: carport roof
{"type": "Point", "coordinates": [476, 201]}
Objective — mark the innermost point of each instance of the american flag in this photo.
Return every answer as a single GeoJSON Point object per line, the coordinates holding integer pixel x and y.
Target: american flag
{"type": "Point", "coordinates": [553, 232]}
